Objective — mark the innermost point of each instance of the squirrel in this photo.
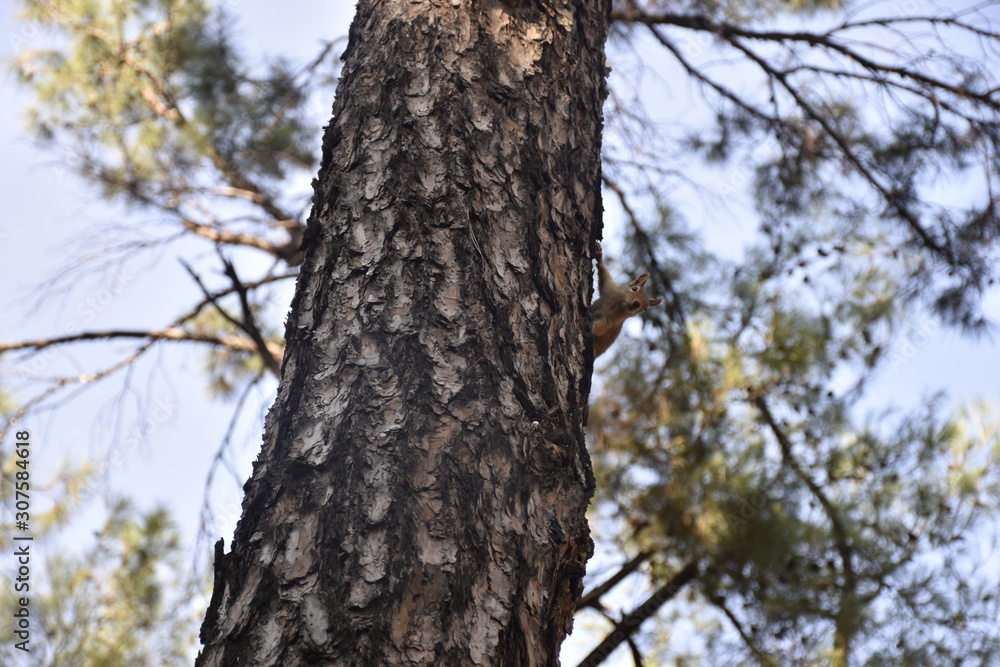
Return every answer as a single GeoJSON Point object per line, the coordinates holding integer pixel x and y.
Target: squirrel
{"type": "Point", "coordinates": [615, 304]}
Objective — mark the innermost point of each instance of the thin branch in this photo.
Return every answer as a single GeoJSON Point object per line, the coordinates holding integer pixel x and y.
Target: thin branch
{"type": "Point", "coordinates": [592, 598]}
{"type": "Point", "coordinates": [206, 530]}
{"type": "Point", "coordinates": [889, 197]}
{"type": "Point", "coordinates": [260, 345]}
{"type": "Point", "coordinates": [233, 238]}
{"type": "Point", "coordinates": [165, 334]}
{"type": "Point", "coordinates": [636, 653]}
{"type": "Point", "coordinates": [951, 21]}
{"type": "Point", "coordinates": [631, 622]}
{"type": "Point", "coordinates": [318, 60]}
{"type": "Point", "coordinates": [926, 94]}
{"type": "Point", "coordinates": [748, 639]}
{"type": "Point", "coordinates": [210, 299]}
{"type": "Point", "coordinates": [212, 232]}
{"type": "Point", "coordinates": [841, 538]}
{"type": "Point", "coordinates": [61, 383]}
{"type": "Point", "coordinates": [170, 333]}
{"type": "Point", "coordinates": [728, 31]}
{"type": "Point", "coordinates": [250, 322]}
{"type": "Point", "coordinates": [676, 310]}
{"type": "Point", "coordinates": [734, 34]}
{"type": "Point", "coordinates": [721, 89]}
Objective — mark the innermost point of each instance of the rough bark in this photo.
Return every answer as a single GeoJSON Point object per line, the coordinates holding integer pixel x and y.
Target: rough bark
{"type": "Point", "coordinates": [420, 495]}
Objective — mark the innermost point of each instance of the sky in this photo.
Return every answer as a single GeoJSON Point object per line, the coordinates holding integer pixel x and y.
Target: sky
{"type": "Point", "coordinates": [163, 431]}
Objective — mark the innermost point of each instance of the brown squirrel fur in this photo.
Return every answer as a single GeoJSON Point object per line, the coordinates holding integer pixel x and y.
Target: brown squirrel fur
{"type": "Point", "coordinates": [616, 304]}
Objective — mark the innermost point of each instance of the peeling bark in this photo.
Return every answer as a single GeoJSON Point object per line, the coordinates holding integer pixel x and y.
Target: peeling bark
{"type": "Point", "coordinates": [420, 495]}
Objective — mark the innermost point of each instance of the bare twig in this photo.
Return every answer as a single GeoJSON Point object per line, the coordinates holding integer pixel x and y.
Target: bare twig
{"type": "Point", "coordinates": [261, 346]}
{"type": "Point", "coordinates": [250, 321]}
{"type": "Point", "coordinates": [842, 541]}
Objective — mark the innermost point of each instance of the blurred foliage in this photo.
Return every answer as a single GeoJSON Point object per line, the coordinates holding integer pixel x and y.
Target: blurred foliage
{"type": "Point", "coordinates": [125, 600]}
{"type": "Point", "coordinates": [741, 430]}
{"type": "Point", "coordinates": [744, 440]}
{"type": "Point", "coordinates": [156, 103]}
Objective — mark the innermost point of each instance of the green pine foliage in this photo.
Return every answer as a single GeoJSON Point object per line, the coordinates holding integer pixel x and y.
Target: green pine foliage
{"type": "Point", "coordinates": [747, 439]}
{"type": "Point", "coordinates": [124, 600]}
{"type": "Point", "coordinates": [156, 105]}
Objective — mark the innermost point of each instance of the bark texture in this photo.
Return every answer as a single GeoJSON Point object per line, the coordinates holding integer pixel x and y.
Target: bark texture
{"type": "Point", "coordinates": [420, 495]}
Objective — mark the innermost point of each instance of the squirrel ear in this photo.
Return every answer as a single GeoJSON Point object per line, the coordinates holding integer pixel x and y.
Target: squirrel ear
{"type": "Point", "coordinates": [655, 302]}
{"type": "Point", "coordinates": [640, 281]}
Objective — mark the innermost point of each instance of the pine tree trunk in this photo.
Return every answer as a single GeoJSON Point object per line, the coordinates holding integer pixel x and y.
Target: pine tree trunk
{"type": "Point", "coordinates": [420, 495]}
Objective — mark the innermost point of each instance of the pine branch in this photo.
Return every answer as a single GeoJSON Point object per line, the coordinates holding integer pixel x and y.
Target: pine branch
{"type": "Point", "coordinates": [892, 199]}
{"type": "Point", "coordinates": [247, 324]}
{"type": "Point", "coordinates": [762, 657]}
{"type": "Point", "coordinates": [233, 238]}
{"type": "Point", "coordinates": [631, 622]}
{"type": "Point", "coordinates": [170, 333]}
{"type": "Point", "coordinates": [788, 456]}
{"type": "Point", "coordinates": [727, 31]}
{"type": "Point", "coordinates": [592, 598]}
{"type": "Point", "coordinates": [843, 632]}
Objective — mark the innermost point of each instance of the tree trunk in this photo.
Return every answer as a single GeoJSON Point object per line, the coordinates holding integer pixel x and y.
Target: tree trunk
{"type": "Point", "coordinates": [420, 495]}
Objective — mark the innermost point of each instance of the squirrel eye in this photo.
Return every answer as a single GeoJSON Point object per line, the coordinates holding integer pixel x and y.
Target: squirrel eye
{"type": "Point", "coordinates": [635, 289]}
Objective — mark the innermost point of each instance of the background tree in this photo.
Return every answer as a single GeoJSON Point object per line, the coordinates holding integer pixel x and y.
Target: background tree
{"type": "Point", "coordinates": [745, 472]}
{"type": "Point", "coordinates": [123, 601]}
{"type": "Point", "coordinates": [737, 445]}
{"type": "Point", "coordinates": [152, 103]}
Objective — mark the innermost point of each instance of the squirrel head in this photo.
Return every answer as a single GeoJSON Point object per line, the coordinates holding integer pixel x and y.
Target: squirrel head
{"type": "Point", "coordinates": [640, 300]}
